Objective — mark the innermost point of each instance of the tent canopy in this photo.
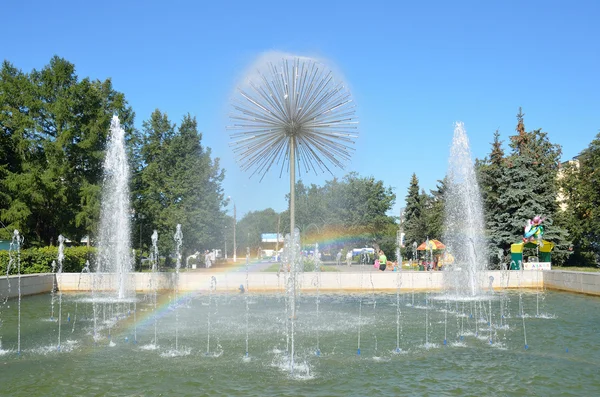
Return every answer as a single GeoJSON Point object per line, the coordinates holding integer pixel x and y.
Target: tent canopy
{"type": "Point", "coordinates": [433, 244]}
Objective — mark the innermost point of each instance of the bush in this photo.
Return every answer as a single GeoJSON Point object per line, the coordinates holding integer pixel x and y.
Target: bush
{"type": "Point", "coordinates": [39, 260]}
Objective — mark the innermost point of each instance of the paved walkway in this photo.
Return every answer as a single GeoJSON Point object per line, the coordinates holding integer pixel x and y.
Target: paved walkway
{"type": "Point", "coordinates": [354, 268]}
{"type": "Point", "coordinates": [261, 266]}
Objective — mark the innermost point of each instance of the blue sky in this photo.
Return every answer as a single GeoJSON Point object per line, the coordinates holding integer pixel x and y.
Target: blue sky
{"type": "Point", "coordinates": [414, 68]}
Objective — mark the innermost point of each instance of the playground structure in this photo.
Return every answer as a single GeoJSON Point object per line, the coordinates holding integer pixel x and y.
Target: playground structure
{"type": "Point", "coordinates": [542, 259]}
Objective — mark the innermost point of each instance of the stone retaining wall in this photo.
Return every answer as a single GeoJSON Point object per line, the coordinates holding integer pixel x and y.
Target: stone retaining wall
{"type": "Point", "coordinates": [581, 282]}
{"type": "Point", "coordinates": [31, 284]}
{"type": "Point", "coordinates": [328, 281]}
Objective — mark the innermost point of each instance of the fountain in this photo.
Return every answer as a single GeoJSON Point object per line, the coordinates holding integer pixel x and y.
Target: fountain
{"type": "Point", "coordinates": [453, 358]}
{"type": "Point", "coordinates": [459, 351]}
{"type": "Point", "coordinates": [60, 259]}
{"type": "Point", "coordinates": [291, 258]}
{"type": "Point", "coordinates": [464, 226]}
{"type": "Point", "coordinates": [114, 235]}
{"type": "Point", "coordinates": [178, 237]}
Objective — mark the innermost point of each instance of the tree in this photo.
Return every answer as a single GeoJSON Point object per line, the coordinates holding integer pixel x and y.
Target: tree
{"type": "Point", "coordinates": [53, 133]}
{"type": "Point", "coordinates": [179, 183]}
{"type": "Point", "coordinates": [253, 225]}
{"type": "Point", "coordinates": [580, 186]}
{"type": "Point", "coordinates": [435, 213]}
{"type": "Point", "coordinates": [490, 173]}
{"type": "Point", "coordinates": [415, 227]}
{"type": "Point", "coordinates": [354, 210]}
{"type": "Point", "coordinates": [529, 188]}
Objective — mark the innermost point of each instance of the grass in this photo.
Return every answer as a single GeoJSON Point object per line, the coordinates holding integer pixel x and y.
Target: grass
{"type": "Point", "coordinates": [577, 269]}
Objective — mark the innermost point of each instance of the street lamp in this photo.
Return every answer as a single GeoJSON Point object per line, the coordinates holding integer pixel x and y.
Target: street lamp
{"type": "Point", "coordinates": [234, 222]}
{"type": "Point", "coordinates": [225, 242]}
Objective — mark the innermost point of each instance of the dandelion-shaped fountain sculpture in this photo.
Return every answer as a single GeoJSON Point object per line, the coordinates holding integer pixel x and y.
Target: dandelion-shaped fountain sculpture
{"type": "Point", "coordinates": [293, 112]}
{"type": "Point", "coordinates": [290, 113]}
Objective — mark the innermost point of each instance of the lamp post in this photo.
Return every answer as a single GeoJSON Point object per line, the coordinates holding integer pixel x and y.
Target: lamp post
{"type": "Point", "coordinates": [277, 238]}
{"type": "Point", "coordinates": [234, 222]}
{"type": "Point", "coordinates": [225, 242]}
{"type": "Point", "coordinates": [234, 243]}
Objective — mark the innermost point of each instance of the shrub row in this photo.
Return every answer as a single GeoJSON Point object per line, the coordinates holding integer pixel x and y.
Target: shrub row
{"type": "Point", "coordinates": [39, 260]}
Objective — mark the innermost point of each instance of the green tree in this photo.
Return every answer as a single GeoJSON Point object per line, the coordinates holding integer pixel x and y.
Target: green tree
{"type": "Point", "coordinates": [415, 227]}
{"type": "Point", "coordinates": [490, 173]}
{"type": "Point", "coordinates": [53, 134]}
{"type": "Point", "coordinates": [529, 188]}
{"type": "Point", "coordinates": [252, 225]}
{"type": "Point", "coordinates": [435, 214]}
{"type": "Point", "coordinates": [179, 183]}
{"type": "Point", "coordinates": [354, 209]}
{"type": "Point", "coordinates": [580, 187]}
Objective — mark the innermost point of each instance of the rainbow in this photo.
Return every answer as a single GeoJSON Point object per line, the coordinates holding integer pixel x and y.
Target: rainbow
{"type": "Point", "coordinates": [330, 237]}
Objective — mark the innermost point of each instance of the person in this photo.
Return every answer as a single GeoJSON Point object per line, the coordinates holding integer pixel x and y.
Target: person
{"type": "Point", "coordinates": [207, 259]}
{"type": "Point", "coordinates": [364, 257]}
{"type": "Point", "coordinates": [339, 258]}
{"type": "Point", "coordinates": [349, 257]}
{"type": "Point", "coordinates": [382, 260]}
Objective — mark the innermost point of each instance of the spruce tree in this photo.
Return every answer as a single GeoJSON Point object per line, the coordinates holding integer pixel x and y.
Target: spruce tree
{"type": "Point", "coordinates": [529, 188]}
{"type": "Point", "coordinates": [435, 213]}
{"type": "Point", "coordinates": [490, 173]}
{"type": "Point", "coordinates": [414, 224]}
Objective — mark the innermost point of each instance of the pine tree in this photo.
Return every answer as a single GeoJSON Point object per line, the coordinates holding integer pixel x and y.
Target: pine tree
{"type": "Point", "coordinates": [414, 225]}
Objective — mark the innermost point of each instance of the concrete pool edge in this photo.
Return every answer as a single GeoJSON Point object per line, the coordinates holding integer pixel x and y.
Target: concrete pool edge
{"type": "Point", "coordinates": [572, 281]}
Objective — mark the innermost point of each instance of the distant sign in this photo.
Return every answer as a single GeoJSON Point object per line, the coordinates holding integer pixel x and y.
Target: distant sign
{"type": "Point", "coordinates": [271, 238]}
{"type": "Point", "coordinates": [537, 266]}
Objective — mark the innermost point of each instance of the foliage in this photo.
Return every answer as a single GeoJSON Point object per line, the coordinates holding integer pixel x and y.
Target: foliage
{"type": "Point", "coordinates": [580, 186]}
{"type": "Point", "coordinates": [53, 129]}
{"type": "Point", "coordinates": [415, 224]}
{"type": "Point", "coordinates": [347, 213]}
{"type": "Point", "coordinates": [39, 260]}
{"type": "Point", "coordinates": [178, 182]}
{"type": "Point", "coordinates": [490, 173]}
{"type": "Point", "coordinates": [350, 212]}
{"type": "Point", "coordinates": [435, 210]}
{"type": "Point", "coordinates": [251, 226]}
{"type": "Point", "coordinates": [520, 186]}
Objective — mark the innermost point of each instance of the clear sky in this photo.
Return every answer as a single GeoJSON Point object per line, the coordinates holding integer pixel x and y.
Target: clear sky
{"type": "Point", "coordinates": [414, 68]}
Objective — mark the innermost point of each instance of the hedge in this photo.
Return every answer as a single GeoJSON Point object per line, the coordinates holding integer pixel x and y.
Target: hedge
{"type": "Point", "coordinates": [39, 260]}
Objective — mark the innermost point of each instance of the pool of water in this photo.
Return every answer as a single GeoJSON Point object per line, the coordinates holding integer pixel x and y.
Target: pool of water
{"type": "Point", "coordinates": [200, 346]}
